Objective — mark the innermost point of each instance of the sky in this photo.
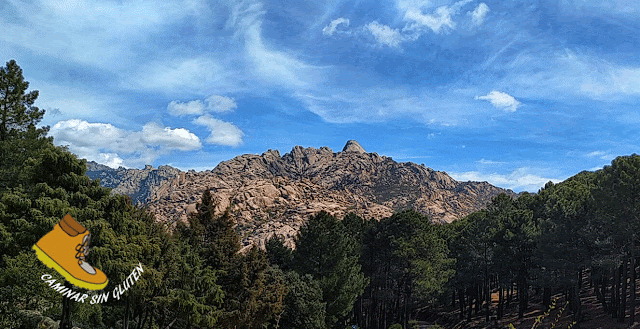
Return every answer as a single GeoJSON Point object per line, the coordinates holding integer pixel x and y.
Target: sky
{"type": "Point", "coordinates": [516, 93]}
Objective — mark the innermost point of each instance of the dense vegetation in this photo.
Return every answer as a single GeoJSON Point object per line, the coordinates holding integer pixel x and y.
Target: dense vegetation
{"type": "Point", "coordinates": [376, 274]}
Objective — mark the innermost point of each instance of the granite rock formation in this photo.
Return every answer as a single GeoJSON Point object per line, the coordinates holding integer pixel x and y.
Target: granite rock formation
{"type": "Point", "coordinates": [274, 194]}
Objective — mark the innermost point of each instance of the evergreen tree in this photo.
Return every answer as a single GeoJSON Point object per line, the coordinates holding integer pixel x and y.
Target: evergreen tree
{"type": "Point", "coordinates": [565, 242]}
{"type": "Point", "coordinates": [406, 260]}
{"type": "Point", "coordinates": [617, 198]}
{"type": "Point", "coordinates": [303, 304]}
{"type": "Point", "coordinates": [17, 112]}
{"type": "Point", "coordinates": [19, 136]}
{"type": "Point", "coordinates": [326, 252]}
{"type": "Point", "coordinates": [278, 254]}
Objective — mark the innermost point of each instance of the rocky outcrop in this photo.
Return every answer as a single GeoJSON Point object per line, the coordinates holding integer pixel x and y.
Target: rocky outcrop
{"type": "Point", "coordinates": [142, 185]}
{"type": "Point", "coordinates": [272, 194]}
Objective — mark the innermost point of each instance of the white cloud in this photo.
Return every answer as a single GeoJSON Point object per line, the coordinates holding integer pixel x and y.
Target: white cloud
{"type": "Point", "coordinates": [478, 15]}
{"type": "Point", "coordinates": [501, 100]}
{"type": "Point", "coordinates": [601, 154]}
{"type": "Point", "coordinates": [170, 139]}
{"type": "Point", "coordinates": [222, 133]}
{"type": "Point", "coordinates": [331, 28]}
{"type": "Point", "coordinates": [438, 21]}
{"type": "Point", "coordinates": [220, 104]}
{"type": "Point", "coordinates": [385, 35]}
{"type": "Point", "coordinates": [108, 159]}
{"type": "Point", "coordinates": [191, 108]}
{"type": "Point", "coordinates": [215, 103]}
{"type": "Point", "coordinates": [519, 180]}
{"type": "Point", "coordinates": [442, 18]}
{"type": "Point", "coordinates": [112, 146]}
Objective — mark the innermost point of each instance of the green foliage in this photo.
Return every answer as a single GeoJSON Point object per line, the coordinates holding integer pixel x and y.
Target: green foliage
{"type": "Point", "coordinates": [20, 139]}
{"type": "Point", "coordinates": [303, 304]}
{"type": "Point", "coordinates": [395, 326]}
{"type": "Point", "coordinates": [17, 112]}
{"type": "Point", "coordinates": [325, 250]}
{"type": "Point", "coordinates": [278, 254]}
{"type": "Point", "coordinates": [407, 260]}
{"type": "Point", "coordinates": [566, 239]}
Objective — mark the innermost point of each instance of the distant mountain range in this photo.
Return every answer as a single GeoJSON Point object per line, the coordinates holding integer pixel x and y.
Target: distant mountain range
{"type": "Point", "coordinates": [273, 194]}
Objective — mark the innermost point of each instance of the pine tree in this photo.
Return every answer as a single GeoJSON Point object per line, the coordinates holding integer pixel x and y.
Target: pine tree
{"type": "Point", "coordinates": [326, 251]}
{"type": "Point", "coordinates": [303, 304]}
{"type": "Point", "coordinates": [17, 112]}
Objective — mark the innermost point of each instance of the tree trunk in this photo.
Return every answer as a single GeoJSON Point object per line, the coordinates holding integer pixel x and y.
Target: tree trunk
{"type": "Point", "coordinates": [509, 293]}
{"type": "Point", "coordinates": [522, 297]}
{"type": "Point", "coordinates": [470, 295]}
{"type": "Point", "coordinates": [633, 288]}
{"type": "Point", "coordinates": [143, 319]}
{"type": "Point", "coordinates": [500, 302]}
{"type": "Point", "coordinates": [126, 315]}
{"type": "Point", "coordinates": [65, 320]}
{"type": "Point", "coordinates": [576, 307]}
{"type": "Point", "coordinates": [623, 295]}
{"type": "Point", "coordinates": [461, 302]}
{"type": "Point", "coordinates": [599, 290]}
{"type": "Point", "coordinates": [615, 293]}
{"type": "Point", "coordinates": [478, 300]}
{"type": "Point", "coordinates": [487, 299]}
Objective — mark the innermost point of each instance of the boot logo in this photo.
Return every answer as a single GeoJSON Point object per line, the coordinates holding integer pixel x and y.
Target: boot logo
{"type": "Point", "coordinates": [64, 249]}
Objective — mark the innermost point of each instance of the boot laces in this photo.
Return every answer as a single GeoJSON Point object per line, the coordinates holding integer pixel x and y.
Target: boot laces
{"type": "Point", "coordinates": [83, 249]}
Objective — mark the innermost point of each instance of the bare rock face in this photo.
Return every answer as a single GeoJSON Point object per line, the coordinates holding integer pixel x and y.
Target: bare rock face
{"type": "Point", "coordinates": [139, 184]}
{"type": "Point", "coordinates": [353, 146]}
{"type": "Point", "coordinates": [270, 194]}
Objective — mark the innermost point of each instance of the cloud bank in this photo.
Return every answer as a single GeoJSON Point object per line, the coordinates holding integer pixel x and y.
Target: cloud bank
{"type": "Point", "coordinates": [114, 147]}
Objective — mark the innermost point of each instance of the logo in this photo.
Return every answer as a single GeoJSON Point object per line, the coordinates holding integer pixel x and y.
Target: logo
{"type": "Point", "coordinates": [64, 249]}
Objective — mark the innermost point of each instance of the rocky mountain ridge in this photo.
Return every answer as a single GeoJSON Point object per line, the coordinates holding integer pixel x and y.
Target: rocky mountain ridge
{"type": "Point", "coordinates": [273, 194]}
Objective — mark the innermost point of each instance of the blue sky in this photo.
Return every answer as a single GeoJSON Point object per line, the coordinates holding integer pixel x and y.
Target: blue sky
{"type": "Point", "coordinates": [516, 93]}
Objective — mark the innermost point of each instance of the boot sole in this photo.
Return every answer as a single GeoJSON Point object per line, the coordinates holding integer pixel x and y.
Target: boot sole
{"type": "Point", "coordinates": [50, 263]}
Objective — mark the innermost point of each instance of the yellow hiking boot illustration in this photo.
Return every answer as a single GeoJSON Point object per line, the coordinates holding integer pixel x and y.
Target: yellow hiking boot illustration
{"type": "Point", "coordinates": [64, 249]}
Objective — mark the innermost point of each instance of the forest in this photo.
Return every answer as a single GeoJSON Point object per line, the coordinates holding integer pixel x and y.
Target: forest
{"type": "Point", "coordinates": [344, 272]}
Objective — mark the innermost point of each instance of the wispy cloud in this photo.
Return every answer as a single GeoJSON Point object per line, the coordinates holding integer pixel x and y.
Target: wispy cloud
{"type": "Point", "coordinates": [105, 143]}
{"type": "Point", "coordinates": [84, 32]}
{"type": "Point", "coordinates": [332, 27]}
{"type": "Point", "coordinates": [489, 162]}
{"type": "Point", "coordinates": [215, 103]}
{"type": "Point", "coordinates": [601, 154]}
{"type": "Point", "coordinates": [501, 100]}
{"type": "Point", "coordinates": [440, 20]}
{"type": "Point", "coordinates": [518, 180]}
{"type": "Point", "coordinates": [569, 74]}
{"type": "Point", "coordinates": [385, 35]}
{"type": "Point", "coordinates": [418, 17]}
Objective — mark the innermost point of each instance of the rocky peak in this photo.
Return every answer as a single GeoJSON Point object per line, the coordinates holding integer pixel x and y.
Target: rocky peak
{"type": "Point", "coordinates": [272, 194]}
{"type": "Point", "coordinates": [353, 146]}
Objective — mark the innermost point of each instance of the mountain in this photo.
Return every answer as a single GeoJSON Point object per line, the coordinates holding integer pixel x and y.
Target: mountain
{"type": "Point", "coordinates": [273, 194]}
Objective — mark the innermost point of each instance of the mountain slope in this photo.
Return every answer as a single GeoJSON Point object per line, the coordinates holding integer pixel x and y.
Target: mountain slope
{"type": "Point", "coordinates": [273, 194]}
